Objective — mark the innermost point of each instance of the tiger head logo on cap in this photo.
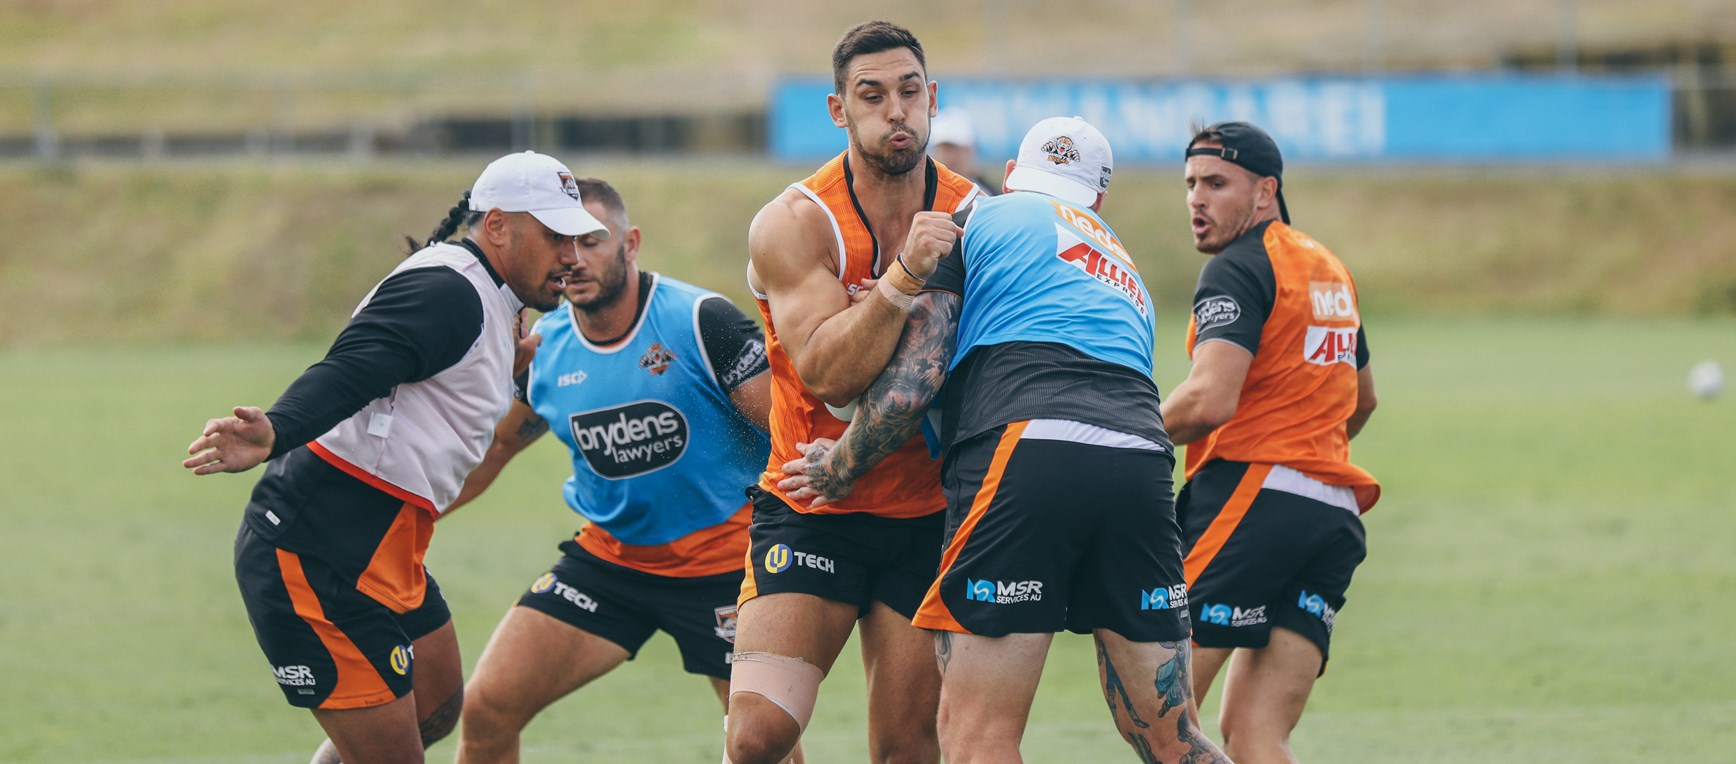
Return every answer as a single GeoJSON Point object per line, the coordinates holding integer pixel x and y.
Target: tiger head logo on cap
{"type": "Point", "coordinates": [1061, 150]}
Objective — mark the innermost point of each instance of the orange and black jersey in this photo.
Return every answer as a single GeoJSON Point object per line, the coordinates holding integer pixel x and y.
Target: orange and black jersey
{"type": "Point", "coordinates": [907, 483]}
{"type": "Point", "coordinates": [1290, 302]}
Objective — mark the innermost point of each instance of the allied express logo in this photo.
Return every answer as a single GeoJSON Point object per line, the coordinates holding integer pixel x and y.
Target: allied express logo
{"type": "Point", "coordinates": [656, 360]}
{"type": "Point", "coordinates": [401, 660]}
{"type": "Point", "coordinates": [778, 558]}
{"type": "Point", "coordinates": [632, 439]}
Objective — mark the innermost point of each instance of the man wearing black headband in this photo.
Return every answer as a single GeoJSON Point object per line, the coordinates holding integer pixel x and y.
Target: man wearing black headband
{"type": "Point", "coordinates": [1271, 513]}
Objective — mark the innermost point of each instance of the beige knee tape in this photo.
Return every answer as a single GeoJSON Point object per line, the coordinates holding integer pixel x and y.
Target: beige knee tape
{"type": "Point", "coordinates": [791, 683]}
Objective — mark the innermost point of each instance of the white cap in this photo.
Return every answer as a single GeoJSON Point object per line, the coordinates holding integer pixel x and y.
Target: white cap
{"type": "Point", "coordinates": [951, 126]}
{"type": "Point", "coordinates": [537, 184]}
{"type": "Point", "coordinates": [1064, 157]}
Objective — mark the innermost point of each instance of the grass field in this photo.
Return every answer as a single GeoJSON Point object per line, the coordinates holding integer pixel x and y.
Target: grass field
{"type": "Point", "coordinates": [1548, 579]}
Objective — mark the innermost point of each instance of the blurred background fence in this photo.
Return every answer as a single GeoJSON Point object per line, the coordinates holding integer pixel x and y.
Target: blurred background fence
{"type": "Point", "coordinates": [210, 79]}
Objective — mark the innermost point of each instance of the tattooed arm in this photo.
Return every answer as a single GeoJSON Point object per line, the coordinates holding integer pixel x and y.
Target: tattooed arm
{"type": "Point", "coordinates": [890, 410]}
{"type": "Point", "coordinates": [519, 428]}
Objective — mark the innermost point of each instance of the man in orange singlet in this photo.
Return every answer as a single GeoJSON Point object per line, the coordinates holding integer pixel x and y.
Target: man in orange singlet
{"type": "Point", "coordinates": [1270, 515]}
{"type": "Point", "coordinates": [877, 217]}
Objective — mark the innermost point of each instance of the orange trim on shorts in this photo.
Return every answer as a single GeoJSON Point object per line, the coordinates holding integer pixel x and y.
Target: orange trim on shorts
{"type": "Point", "coordinates": [934, 614]}
{"type": "Point", "coordinates": [377, 482]}
{"type": "Point", "coordinates": [749, 587]}
{"type": "Point", "coordinates": [359, 683]}
{"type": "Point", "coordinates": [1218, 533]}
{"type": "Point", "coordinates": [395, 576]}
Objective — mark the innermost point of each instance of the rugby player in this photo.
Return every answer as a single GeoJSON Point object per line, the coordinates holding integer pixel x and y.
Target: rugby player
{"type": "Point", "coordinates": [659, 390]}
{"type": "Point", "coordinates": [368, 446]}
{"type": "Point", "coordinates": [1271, 512]}
{"type": "Point", "coordinates": [1057, 470]}
{"type": "Point", "coordinates": [876, 217]}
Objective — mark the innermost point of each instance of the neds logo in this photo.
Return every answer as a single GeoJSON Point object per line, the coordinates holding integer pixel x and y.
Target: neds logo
{"type": "Point", "coordinates": [632, 439]}
{"type": "Point", "coordinates": [1331, 300]}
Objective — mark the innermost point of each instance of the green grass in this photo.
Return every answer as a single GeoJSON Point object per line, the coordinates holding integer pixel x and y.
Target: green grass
{"type": "Point", "coordinates": [1548, 574]}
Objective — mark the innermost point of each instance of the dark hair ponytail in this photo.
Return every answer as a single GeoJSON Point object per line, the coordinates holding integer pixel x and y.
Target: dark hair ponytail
{"type": "Point", "coordinates": [459, 214]}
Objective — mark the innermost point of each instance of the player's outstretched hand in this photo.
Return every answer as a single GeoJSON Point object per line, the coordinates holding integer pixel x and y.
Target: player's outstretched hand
{"type": "Point", "coordinates": [232, 444]}
{"type": "Point", "coordinates": [932, 235]}
{"type": "Point", "coordinates": [810, 478]}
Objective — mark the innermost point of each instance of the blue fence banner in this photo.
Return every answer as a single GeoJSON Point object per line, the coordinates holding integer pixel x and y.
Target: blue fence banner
{"type": "Point", "coordinates": [1402, 118]}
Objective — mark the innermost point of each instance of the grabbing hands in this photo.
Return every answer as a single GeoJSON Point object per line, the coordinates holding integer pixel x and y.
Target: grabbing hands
{"type": "Point", "coordinates": [810, 479]}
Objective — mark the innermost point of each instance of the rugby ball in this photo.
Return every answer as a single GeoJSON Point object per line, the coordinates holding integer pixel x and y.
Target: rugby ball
{"type": "Point", "coordinates": [1706, 380]}
{"type": "Point", "coordinates": [845, 412]}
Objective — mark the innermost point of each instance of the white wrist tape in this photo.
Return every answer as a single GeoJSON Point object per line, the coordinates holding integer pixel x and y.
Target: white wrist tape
{"type": "Point", "coordinates": [898, 299]}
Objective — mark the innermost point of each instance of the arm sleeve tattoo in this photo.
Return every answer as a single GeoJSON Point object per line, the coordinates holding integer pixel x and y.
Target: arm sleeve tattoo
{"type": "Point", "coordinates": [891, 409]}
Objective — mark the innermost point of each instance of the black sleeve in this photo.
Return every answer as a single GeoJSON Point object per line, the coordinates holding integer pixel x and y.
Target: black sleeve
{"type": "Point", "coordinates": [948, 276]}
{"type": "Point", "coordinates": [1235, 294]}
{"type": "Point", "coordinates": [1361, 349]}
{"type": "Point", "coordinates": [733, 342]}
{"type": "Point", "coordinates": [418, 323]}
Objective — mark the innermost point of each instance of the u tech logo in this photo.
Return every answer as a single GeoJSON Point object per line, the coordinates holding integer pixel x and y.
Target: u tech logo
{"type": "Point", "coordinates": [543, 584]}
{"type": "Point", "coordinates": [781, 556]}
{"type": "Point", "coordinates": [402, 655]}
{"type": "Point", "coordinates": [1163, 597]}
{"type": "Point", "coordinates": [547, 583]}
{"type": "Point", "coordinates": [1317, 606]}
{"type": "Point", "coordinates": [1002, 592]}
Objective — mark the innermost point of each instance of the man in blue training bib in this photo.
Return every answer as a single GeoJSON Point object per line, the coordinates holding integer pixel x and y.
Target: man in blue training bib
{"type": "Point", "coordinates": [659, 390]}
{"type": "Point", "coordinates": [1060, 513]}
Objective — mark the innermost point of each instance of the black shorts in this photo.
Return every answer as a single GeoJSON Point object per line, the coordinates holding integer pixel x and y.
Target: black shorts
{"type": "Point", "coordinates": [627, 606]}
{"type": "Point", "coordinates": [330, 645]}
{"type": "Point", "coordinates": [855, 557]}
{"type": "Point", "coordinates": [1056, 525]}
{"type": "Point", "coordinates": [1267, 546]}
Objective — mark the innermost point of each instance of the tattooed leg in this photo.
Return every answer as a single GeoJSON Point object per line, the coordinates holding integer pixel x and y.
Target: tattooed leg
{"type": "Point", "coordinates": [1113, 689]}
{"type": "Point", "coordinates": [1127, 668]}
{"type": "Point", "coordinates": [943, 649]}
{"type": "Point", "coordinates": [434, 728]}
{"type": "Point", "coordinates": [437, 725]}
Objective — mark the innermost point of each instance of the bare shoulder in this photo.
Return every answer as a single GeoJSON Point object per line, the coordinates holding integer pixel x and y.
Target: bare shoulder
{"type": "Point", "coordinates": [789, 239]}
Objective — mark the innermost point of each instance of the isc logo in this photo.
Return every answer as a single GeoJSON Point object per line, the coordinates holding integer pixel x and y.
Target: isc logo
{"type": "Point", "coordinates": [1331, 300]}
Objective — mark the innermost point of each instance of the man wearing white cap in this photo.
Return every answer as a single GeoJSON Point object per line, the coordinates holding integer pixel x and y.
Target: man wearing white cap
{"type": "Point", "coordinates": [369, 446]}
{"type": "Point", "coordinates": [1060, 513]}
{"type": "Point", "coordinates": [952, 143]}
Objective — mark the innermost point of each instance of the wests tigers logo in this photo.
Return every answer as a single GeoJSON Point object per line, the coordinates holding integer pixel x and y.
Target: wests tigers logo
{"type": "Point", "coordinates": [656, 360]}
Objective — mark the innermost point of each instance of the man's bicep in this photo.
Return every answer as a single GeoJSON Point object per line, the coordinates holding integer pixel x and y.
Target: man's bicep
{"type": "Point", "coordinates": [791, 265]}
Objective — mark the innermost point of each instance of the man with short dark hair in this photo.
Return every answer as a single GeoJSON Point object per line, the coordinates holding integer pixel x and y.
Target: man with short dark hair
{"type": "Point", "coordinates": [1057, 470]}
{"type": "Point", "coordinates": [1280, 384]}
{"type": "Point", "coordinates": [370, 445]}
{"type": "Point", "coordinates": [879, 214]}
{"type": "Point", "coordinates": [659, 391]}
